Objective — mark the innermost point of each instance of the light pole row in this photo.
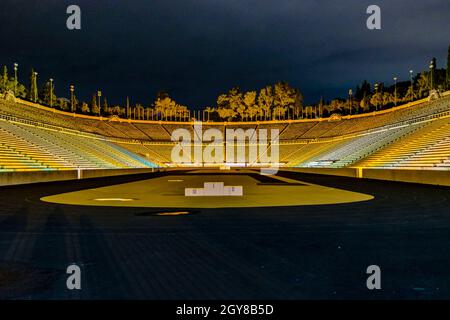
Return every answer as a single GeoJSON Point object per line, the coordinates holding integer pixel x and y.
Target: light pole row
{"type": "Point", "coordinates": [72, 88]}
{"type": "Point", "coordinates": [99, 93]}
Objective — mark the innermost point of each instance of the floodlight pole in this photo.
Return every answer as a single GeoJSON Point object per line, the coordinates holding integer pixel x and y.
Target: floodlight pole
{"type": "Point", "coordinates": [51, 93]}
{"type": "Point", "coordinates": [395, 91]}
{"type": "Point", "coordinates": [376, 92]}
{"type": "Point", "coordinates": [72, 100]}
{"type": "Point", "coordinates": [99, 94]}
{"type": "Point", "coordinates": [16, 65]}
{"type": "Point", "coordinates": [431, 78]}
{"type": "Point", "coordinates": [411, 81]}
{"type": "Point", "coordinates": [35, 90]}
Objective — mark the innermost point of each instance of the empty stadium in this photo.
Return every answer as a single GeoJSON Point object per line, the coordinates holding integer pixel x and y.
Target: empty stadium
{"type": "Point", "coordinates": [411, 136]}
{"type": "Point", "coordinates": [103, 193]}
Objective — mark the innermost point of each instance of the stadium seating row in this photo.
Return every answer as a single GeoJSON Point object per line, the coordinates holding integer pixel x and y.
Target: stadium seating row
{"type": "Point", "coordinates": [37, 138]}
{"type": "Point", "coordinates": [26, 147]}
{"type": "Point", "coordinates": [160, 131]}
{"type": "Point", "coordinates": [425, 148]}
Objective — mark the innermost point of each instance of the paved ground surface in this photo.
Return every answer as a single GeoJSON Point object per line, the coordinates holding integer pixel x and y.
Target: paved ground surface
{"type": "Point", "coordinates": [297, 252]}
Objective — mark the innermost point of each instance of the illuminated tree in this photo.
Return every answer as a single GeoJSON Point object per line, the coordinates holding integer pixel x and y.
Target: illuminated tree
{"type": "Point", "coordinates": [84, 107]}
{"type": "Point", "coordinates": [336, 106]}
{"type": "Point", "coordinates": [236, 102]}
{"type": "Point", "coordinates": [94, 107]}
{"type": "Point", "coordinates": [116, 110]}
{"type": "Point", "coordinates": [423, 84]}
{"type": "Point", "coordinates": [105, 109]}
{"type": "Point", "coordinates": [365, 103]}
{"type": "Point", "coordinates": [63, 103]}
{"type": "Point", "coordinates": [410, 95]}
{"type": "Point", "coordinates": [46, 90]}
{"type": "Point", "coordinates": [287, 99]}
{"type": "Point", "coordinates": [265, 101]}
{"type": "Point", "coordinates": [4, 79]}
{"type": "Point", "coordinates": [169, 109]}
{"type": "Point", "coordinates": [283, 99]}
{"type": "Point", "coordinates": [250, 104]}
{"type": "Point", "coordinates": [351, 106]}
{"type": "Point", "coordinates": [75, 103]}
{"type": "Point", "coordinates": [226, 113]}
{"type": "Point", "coordinates": [231, 105]}
{"type": "Point", "coordinates": [377, 100]}
{"type": "Point", "coordinates": [387, 98]}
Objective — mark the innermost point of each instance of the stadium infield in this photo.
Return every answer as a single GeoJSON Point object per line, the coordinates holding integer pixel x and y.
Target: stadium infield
{"type": "Point", "coordinates": [169, 192]}
{"type": "Point", "coordinates": [289, 252]}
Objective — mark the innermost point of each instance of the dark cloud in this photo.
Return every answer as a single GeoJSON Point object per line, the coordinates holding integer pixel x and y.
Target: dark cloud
{"type": "Point", "coordinates": [197, 49]}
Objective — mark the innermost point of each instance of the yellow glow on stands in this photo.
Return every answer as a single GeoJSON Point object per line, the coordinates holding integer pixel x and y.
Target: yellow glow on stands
{"type": "Point", "coordinates": [428, 148]}
{"type": "Point", "coordinates": [26, 147]}
{"type": "Point", "coordinates": [38, 138]}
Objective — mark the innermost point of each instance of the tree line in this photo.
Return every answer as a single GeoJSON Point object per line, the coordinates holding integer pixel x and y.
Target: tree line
{"type": "Point", "coordinates": [279, 101]}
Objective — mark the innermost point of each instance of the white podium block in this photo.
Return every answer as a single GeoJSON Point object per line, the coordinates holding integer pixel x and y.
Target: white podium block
{"type": "Point", "coordinates": [214, 189]}
{"type": "Point", "coordinates": [233, 191]}
{"type": "Point", "coordinates": [193, 192]}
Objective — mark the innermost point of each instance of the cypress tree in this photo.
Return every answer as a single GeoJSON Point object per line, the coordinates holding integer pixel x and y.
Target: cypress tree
{"type": "Point", "coordinates": [4, 79]}
{"type": "Point", "coordinates": [448, 70]}
{"type": "Point", "coordinates": [94, 108]}
{"type": "Point", "coordinates": [33, 92]}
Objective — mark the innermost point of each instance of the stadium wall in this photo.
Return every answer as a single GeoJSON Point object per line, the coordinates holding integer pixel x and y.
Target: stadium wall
{"type": "Point", "coordinates": [341, 172]}
{"type": "Point", "coordinates": [27, 177]}
{"type": "Point", "coordinates": [433, 177]}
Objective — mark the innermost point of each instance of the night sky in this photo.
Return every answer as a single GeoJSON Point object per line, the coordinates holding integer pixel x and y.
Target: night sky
{"type": "Point", "coordinates": [197, 49]}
